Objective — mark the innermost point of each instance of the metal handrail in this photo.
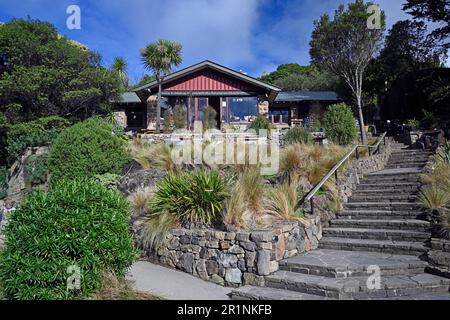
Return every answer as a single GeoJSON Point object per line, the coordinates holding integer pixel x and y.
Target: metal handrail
{"type": "Point", "coordinates": [334, 170]}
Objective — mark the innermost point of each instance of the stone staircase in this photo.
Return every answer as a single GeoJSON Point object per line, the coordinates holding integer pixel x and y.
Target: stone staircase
{"type": "Point", "coordinates": [379, 229]}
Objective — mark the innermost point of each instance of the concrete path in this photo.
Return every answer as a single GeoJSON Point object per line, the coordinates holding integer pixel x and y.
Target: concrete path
{"type": "Point", "coordinates": [172, 284]}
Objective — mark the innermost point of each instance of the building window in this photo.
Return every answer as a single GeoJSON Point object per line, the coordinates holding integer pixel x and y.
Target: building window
{"type": "Point", "coordinates": [202, 103]}
{"type": "Point", "coordinates": [242, 108]}
{"type": "Point", "coordinates": [275, 115]}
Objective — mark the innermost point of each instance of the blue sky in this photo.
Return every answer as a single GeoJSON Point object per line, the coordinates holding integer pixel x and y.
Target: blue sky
{"type": "Point", "coordinates": [250, 35]}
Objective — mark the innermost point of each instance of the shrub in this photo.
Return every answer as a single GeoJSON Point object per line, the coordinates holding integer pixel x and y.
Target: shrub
{"type": "Point", "coordinates": [444, 152]}
{"type": "Point", "coordinates": [85, 150]}
{"type": "Point", "coordinates": [179, 117]}
{"type": "Point", "coordinates": [414, 124]}
{"type": "Point", "coordinates": [339, 124]}
{"type": "Point", "coordinates": [108, 180]}
{"type": "Point", "coordinates": [193, 198]}
{"type": "Point", "coordinates": [209, 119]}
{"type": "Point", "coordinates": [3, 182]}
{"type": "Point", "coordinates": [36, 169]}
{"type": "Point", "coordinates": [40, 132]}
{"type": "Point", "coordinates": [261, 123]}
{"type": "Point", "coordinates": [77, 223]}
{"type": "Point", "coordinates": [297, 135]}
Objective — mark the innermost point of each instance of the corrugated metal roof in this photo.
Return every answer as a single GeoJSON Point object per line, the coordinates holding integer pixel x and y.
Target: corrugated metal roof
{"type": "Point", "coordinates": [295, 96]}
{"type": "Point", "coordinates": [129, 97]}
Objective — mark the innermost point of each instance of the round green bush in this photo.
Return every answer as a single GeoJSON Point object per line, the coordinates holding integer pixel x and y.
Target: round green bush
{"type": "Point", "coordinates": [87, 149]}
{"type": "Point", "coordinates": [297, 135]}
{"type": "Point", "coordinates": [340, 124]}
{"type": "Point", "coordinates": [77, 223]}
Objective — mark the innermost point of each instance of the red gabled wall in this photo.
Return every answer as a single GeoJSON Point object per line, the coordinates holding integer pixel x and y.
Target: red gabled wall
{"type": "Point", "coordinates": [209, 80]}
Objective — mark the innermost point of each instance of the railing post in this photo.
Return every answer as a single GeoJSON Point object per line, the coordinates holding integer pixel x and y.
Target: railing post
{"type": "Point", "coordinates": [312, 205]}
{"type": "Point", "coordinates": [357, 154]}
{"type": "Point", "coordinates": [370, 151]}
{"type": "Point", "coordinates": [336, 177]}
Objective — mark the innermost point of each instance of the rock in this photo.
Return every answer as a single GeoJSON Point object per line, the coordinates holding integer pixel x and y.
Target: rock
{"type": "Point", "coordinates": [251, 279]}
{"type": "Point", "coordinates": [186, 262]}
{"type": "Point", "coordinates": [280, 248]}
{"type": "Point", "coordinates": [185, 239]}
{"type": "Point", "coordinates": [174, 243]}
{"type": "Point", "coordinates": [217, 279]}
{"type": "Point", "coordinates": [264, 245]}
{"type": "Point", "coordinates": [236, 250]}
{"type": "Point", "coordinates": [224, 245]}
{"type": "Point", "coordinates": [241, 265]}
{"type": "Point", "coordinates": [233, 276]}
{"type": "Point", "coordinates": [273, 266]}
{"type": "Point", "coordinates": [242, 236]}
{"type": "Point", "coordinates": [230, 236]}
{"type": "Point", "coordinates": [219, 235]}
{"type": "Point", "coordinates": [140, 180]}
{"type": "Point", "coordinates": [250, 258]}
{"type": "Point", "coordinates": [212, 244]}
{"type": "Point", "coordinates": [263, 262]}
{"type": "Point", "coordinates": [200, 267]}
{"type": "Point", "coordinates": [261, 236]}
{"type": "Point", "coordinates": [227, 260]}
{"type": "Point", "coordinates": [307, 246]}
{"type": "Point", "coordinates": [212, 267]}
{"type": "Point", "coordinates": [248, 245]}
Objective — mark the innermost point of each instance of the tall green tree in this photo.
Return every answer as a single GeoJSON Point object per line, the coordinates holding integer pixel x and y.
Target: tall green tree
{"type": "Point", "coordinates": [437, 11]}
{"type": "Point", "coordinates": [292, 76]}
{"type": "Point", "coordinates": [345, 46]}
{"type": "Point", "coordinates": [120, 66]}
{"type": "Point", "coordinates": [160, 57]}
{"type": "Point", "coordinates": [51, 75]}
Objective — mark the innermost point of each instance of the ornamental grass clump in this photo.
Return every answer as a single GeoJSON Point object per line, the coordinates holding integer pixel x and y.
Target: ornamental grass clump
{"type": "Point", "coordinates": [196, 198]}
{"type": "Point", "coordinates": [77, 225]}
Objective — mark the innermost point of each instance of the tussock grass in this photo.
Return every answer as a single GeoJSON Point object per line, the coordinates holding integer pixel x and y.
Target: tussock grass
{"type": "Point", "coordinates": [114, 288]}
{"type": "Point", "coordinates": [152, 155]}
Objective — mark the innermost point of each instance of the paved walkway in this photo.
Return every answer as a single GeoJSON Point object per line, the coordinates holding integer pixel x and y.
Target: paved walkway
{"type": "Point", "coordinates": [172, 284]}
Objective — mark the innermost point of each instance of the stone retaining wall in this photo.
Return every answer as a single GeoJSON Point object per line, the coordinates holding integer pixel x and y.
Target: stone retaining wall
{"type": "Point", "coordinates": [439, 257]}
{"type": "Point", "coordinates": [235, 258]}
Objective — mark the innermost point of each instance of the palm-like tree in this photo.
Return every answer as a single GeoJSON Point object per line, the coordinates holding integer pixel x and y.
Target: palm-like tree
{"type": "Point", "coordinates": [160, 57]}
{"type": "Point", "coordinates": [120, 67]}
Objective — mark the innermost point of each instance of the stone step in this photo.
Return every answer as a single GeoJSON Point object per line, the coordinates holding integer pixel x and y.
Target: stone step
{"type": "Point", "coordinates": [383, 192]}
{"type": "Point", "coordinates": [376, 234]}
{"type": "Point", "coordinates": [385, 246]}
{"type": "Point", "coordinates": [264, 293]}
{"type": "Point", "coordinates": [405, 165]}
{"type": "Point", "coordinates": [397, 186]}
{"type": "Point", "coordinates": [411, 152]}
{"type": "Point", "coordinates": [396, 160]}
{"type": "Point", "coordinates": [358, 287]}
{"type": "Point", "coordinates": [414, 178]}
{"type": "Point", "coordinates": [390, 206]}
{"type": "Point", "coordinates": [411, 224]}
{"type": "Point", "coordinates": [380, 214]}
{"type": "Point", "coordinates": [345, 264]}
{"type": "Point", "coordinates": [390, 197]}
